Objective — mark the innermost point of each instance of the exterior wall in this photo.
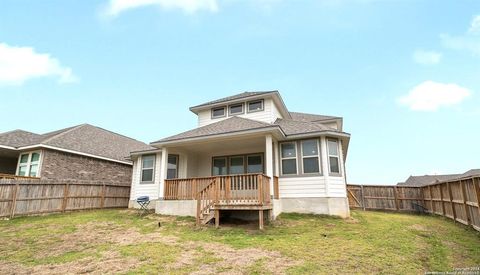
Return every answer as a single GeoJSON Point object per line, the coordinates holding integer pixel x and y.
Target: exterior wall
{"type": "Point", "coordinates": [146, 189]}
{"type": "Point", "coordinates": [302, 187]}
{"type": "Point", "coordinates": [268, 115]}
{"type": "Point", "coordinates": [66, 166]}
{"type": "Point", "coordinates": [8, 165]}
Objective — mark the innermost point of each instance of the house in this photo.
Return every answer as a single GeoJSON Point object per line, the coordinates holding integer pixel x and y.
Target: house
{"type": "Point", "coordinates": [249, 153]}
{"type": "Point", "coordinates": [82, 152]}
{"type": "Point", "coordinates": [417, 181]}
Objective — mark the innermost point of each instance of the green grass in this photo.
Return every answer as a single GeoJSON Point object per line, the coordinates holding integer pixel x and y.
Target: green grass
{"type": "Point", "coordinates": [369, 242]}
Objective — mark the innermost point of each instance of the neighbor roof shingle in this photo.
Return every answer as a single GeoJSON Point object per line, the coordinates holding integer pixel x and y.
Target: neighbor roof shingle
{"type": "Point", "coordinates": [233, 97]}
{"type": "Point", "coordinates": [432, 179]}
{"type": "Point", "coordinates": [83, 138]}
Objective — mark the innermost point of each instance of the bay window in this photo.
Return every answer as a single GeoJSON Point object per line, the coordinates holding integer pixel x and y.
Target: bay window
{"type": "Point", "coordinates": [333, 156]}
{"type": "Point", "coordinates": [289, 158]}
{"type": "Point", "coordinates": [310, 156]}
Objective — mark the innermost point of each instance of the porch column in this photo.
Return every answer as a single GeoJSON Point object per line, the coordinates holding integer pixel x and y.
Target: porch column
{"type": "Point", "coordinates": [269, 160]}
{"type": "Point", "coordinates": [163, 172]}
{"type": "Point", "coordinates": [275, 158]}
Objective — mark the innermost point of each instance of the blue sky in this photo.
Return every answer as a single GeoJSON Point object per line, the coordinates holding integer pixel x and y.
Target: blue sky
{"type": "Point", "coordinates": [405, 75]}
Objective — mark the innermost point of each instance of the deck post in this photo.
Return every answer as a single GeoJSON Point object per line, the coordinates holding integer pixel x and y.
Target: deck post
{"type": "Point", "coordinates": [217, 218]}
{"type": "Point", "coordinates": [260, 219]}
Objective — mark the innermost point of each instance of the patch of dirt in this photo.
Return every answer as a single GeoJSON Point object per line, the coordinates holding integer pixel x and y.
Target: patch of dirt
{"type": "Point", "coordinates": [419, 227]}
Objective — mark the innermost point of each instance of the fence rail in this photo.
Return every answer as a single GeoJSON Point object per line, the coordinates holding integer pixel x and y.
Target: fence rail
{"type": "Point", "coordinates": [30, 197]}
{"type": "Point", "coordinates": [457, 199]}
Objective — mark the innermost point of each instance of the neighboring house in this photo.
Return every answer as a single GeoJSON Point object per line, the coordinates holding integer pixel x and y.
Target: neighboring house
{"type": "Point", "coordinates": [417, 181]}
{"type": "Point", "coordinates": [82, 152]}
{"type": "Point", "coordinates": [249, 152]}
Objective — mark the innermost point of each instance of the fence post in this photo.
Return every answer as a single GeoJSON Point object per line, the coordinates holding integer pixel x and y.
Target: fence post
{"type": "Point", "coordinates": [441, 198]}
{"type": "Point", "coordinates": [14, 200]}
{"type": "Point", "coordinates": [363, 197]}
{"type": "Point", "coordinates": [395, 193]}
{"type": "Point", "coordinates": [431, 199]}
{"type": "Point", "coordinates": [451, 202]}
{"type": "Point", "coordinates": [465, 205]}
{"type": "Point", "coordinates": [65, 196]}
{"type": "Point", "coordinates": [102, 202]}
{"type": "Point", "coordinates": [476, 185]}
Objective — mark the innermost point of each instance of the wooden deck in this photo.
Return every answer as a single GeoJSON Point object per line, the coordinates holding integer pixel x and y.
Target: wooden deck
{"type": "Point", "coordinates": [233, 192]}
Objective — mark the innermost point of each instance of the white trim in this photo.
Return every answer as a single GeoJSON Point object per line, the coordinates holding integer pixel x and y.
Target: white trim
{"type": "Point", "coordinates": [327, 140]}
{"type": "Point", "coordinates": [152, 168]}
{"type": "Point", "coordinates": [73, 152]}
{"type": "Point", "coordinates": [29, 163]}
{"type": "Point", "coordinates": [311, 156]}
{"type": "Point", "coordinates": [8, 147]}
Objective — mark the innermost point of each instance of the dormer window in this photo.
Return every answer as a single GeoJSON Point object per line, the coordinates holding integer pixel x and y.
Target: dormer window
{"type": "Point", "coordinates": [236, 109]}
{"type": "Point", "coordinates": [218, 112]}
{"type": "Point", "coordinates": [255, 106]}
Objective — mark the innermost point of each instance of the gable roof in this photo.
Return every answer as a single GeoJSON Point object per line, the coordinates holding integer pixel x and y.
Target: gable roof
{"type": "Point", "coordinates": [84, 138]}
{"type": "Point", "coordinates": [226, 126]}
{"type": "Point", "coordinates": [432, 179]}
{"type": "Point", "coordinates": [233, 97]}
{"type": "Point", "coordinates": [310, 117]}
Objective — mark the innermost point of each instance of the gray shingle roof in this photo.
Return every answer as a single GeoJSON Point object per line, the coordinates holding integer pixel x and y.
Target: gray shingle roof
{"type": "Point", "coordinates": [472, 172]}
{"type": "Point", "coordinates": [83, 138]}
{"type": "Point", "coordinates": [310, 117]}
{"type": "Point", "coordinates": [293, 127]}
{"type": "Point", "coordinates": [432, 179]}
{"type": "Point", "coordinates": [230, 125]}
{"type": "Point", "coordinates": [233, 97]}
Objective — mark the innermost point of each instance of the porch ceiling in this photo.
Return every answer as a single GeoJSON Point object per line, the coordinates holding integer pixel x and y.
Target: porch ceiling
{"type": "Point", "coordinates": [254, 142]}
{"type": "Point", "coordinates": [7, 153]}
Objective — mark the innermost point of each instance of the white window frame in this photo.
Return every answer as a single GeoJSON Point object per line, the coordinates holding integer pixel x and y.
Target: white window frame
{"type": "Point", "coordinates": [216, 108]}
{"type": "Point", "coordinates": [255, 101]}
{"type": "Point", "coordinates": [286, 158]}
{"type": "Point", "coordinates": [312, 156]}
{"type": "Point", "coordinates": [235, 105]}
{"type": "Point", "coordinates": [29, 163]}
{"type": "Point", "coordinates": [334, 156]}
{"type": "Point", "coordinates": [153, 169]}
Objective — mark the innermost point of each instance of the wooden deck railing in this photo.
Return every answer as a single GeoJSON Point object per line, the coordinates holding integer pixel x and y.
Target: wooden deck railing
{"type": "Point", "coordinates": [236, 189]}
{"type": "Point", "coordinates": [15, 177]}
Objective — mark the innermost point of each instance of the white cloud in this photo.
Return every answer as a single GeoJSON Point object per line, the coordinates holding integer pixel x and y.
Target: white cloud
{"type": "Point", "coordinates": [427, 57]}
{"type": "Point", "coordinates": [115, 7]}
{"type": "Point", "coordinates": [470, 41]}
{"type": "Point", "coordinates": [19, 64]}
{"type": "Point", "coordinates": [475, 25]}
{"type": "Point", "coordinates": [430, 96]}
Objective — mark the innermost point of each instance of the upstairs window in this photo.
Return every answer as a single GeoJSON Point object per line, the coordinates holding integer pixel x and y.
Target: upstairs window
{"type": "Point", "coordinates": [172, 169]}
{"type": "Point", "coordinates": [333, 156]}
{"type": "Point", "coordinates": [28, 164]}
{"type": "Point", "coordinates": [289, 158]}
{"type": "Point", "coordinates": [310, 156]}
{"type": "Point", "coordinates": [255, 106]}
{"type": "Point", "coordinates": [148, 164]}
{"type": "Point", "coordinates": [218, 112]}
{"type": "Point", "coordinates": [236, 109]}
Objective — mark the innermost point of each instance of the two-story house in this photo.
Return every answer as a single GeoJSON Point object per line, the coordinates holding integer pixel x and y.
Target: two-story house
{"type": "Point", "coordinates": [248, 153]}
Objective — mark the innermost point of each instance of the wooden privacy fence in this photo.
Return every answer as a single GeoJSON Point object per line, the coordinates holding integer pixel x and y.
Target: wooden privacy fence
{"type": "Point", "coordinates": [29, 197]}
{"type": "Point", "coordinates": [455, 199]}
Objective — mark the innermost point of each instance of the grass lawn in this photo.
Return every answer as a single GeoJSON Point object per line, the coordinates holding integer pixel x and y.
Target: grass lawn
{"type": "Point", "coordinates": [118, 241]}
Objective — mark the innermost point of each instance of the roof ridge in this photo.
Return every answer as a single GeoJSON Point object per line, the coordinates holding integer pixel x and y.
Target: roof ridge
{"type": "Point", "coordinates": [62, 133]}
{"type": "Point", "coordinates": [18, 130]}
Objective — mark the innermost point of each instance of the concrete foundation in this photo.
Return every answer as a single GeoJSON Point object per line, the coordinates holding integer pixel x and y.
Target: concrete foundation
{"type": "Point", "coordinates": [327, 206]}
{"type": "Point", "coordinates": [177, 208]}
{"type": "Point", "coordinates": [135, 205]}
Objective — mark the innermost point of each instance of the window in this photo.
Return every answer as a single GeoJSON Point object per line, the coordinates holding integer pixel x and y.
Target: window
{"type": "Point", "coordinates": [310, 156]}
{"type": "Point", "coordinates": [289, 158]}
{"type": "Point", "coordinates": [28, 164]}
{"type": "Point", "coordinates": [236, 165]}
{"type": "Point", "coordinates": [236, 109]}
{"type": "Point", "coordinates": [333, 156]}
{"type": "Point", "coordinates": [219, 166]}
{"type": "Point", "coordinates": [255, 106]}
{"type": "Point", "coordinates": [254, 164]}
{"type": "Point", "coordinates": [172, 167]}
{"type": "Point", "coordinates": [148, 164]}
{"type": "Point", "coordinates": [218, 112]}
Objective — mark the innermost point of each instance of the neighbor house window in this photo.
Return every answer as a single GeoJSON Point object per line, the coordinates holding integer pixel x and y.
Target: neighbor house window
{"type": "Point", "coordinates": [28, 164]}
{"type": "Point", "coordinates": [333, 156]}
{"type": "Point", "coordinates": [289, 158]}
{"type": "Point", "coordinates": [237, 165]}
{"type": "Point", "coordinates": [236, 109]}
{"type": "Point", "coordinates": [218, 112]}
{"type": "Point", "coordinates": [310, 156]}
{"type": "Point", "coordinates": [148, 164]}
{"type": "Point", "coordinates": [219, 166]}
{"type": "Point", "coordinates": [255, 106]}
{"type": "Point", "coordinates": [172, 169]}
{"type": "Point", "coordinates": [254, 164]}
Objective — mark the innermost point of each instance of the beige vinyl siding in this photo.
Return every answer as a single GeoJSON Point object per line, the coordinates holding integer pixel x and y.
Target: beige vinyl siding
{"type": "Point", "coordinates": [145, 189]}
{"type": "Point", "coordinates": [269, 114]}
{"type": "Point", "coordinates": [302, 187]}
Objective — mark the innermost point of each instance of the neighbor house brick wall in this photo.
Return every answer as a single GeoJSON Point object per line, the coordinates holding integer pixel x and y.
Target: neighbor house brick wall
{"type": "Point", "coordinates": [8, 165]}
{"type": "Point", "coordinates": [61, 165]}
